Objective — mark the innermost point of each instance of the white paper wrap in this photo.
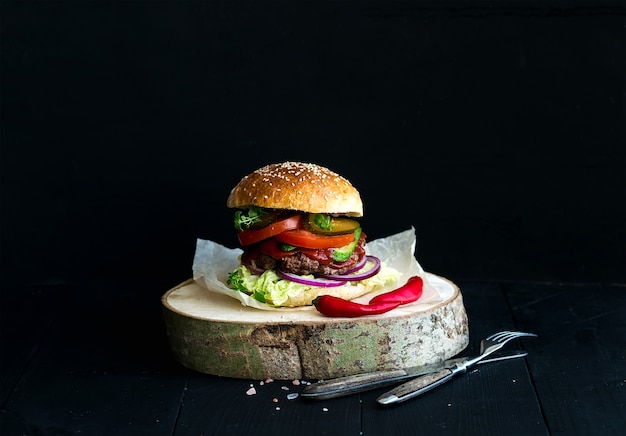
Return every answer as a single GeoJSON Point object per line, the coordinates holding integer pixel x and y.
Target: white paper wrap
{"type": "Point", "coordinates": [213, 262]}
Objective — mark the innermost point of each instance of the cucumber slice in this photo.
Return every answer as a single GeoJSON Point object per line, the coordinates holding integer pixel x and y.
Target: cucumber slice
{"type": "Point", "coordinates": [342, 254]}
{"type": "Point", "coordinates": [328, 225]}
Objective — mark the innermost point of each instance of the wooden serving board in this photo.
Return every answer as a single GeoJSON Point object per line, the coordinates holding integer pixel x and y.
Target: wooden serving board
{"type": "Point", "coordinates": [215, 334]}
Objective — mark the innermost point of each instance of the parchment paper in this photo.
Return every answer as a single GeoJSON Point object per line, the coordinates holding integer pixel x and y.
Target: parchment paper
{"type": "Point", "coordinates": [213, 262]}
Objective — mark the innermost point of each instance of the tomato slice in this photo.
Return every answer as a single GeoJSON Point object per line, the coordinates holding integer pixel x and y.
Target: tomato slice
{"type": "Point", "coordinates": [271, 248]}
{"type": "Point", "coordinates": [307, 239]}
{"type": "Point", "coordinates": [250, 236]}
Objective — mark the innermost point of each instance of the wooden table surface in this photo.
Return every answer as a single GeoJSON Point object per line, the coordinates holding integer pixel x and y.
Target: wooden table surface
{"type": "Point", "coordinates": [94, 360]}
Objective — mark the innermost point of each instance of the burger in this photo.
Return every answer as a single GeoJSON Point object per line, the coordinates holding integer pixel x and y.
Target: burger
{"type": "Point", "coordinates": [298, 227]}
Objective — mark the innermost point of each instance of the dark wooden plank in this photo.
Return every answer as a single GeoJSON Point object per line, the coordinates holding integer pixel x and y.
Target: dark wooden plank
{"type": "Point", "coordinates": [494, 399]}
{"type": "Point", "coordinates": [106, 369]}
{"type": "Point", "coordinates": [578, 364]}
{"type": "Point", "coordinates": [24, 317]}
{"type": "Point", "coordinates": [214, 405]}
{"type": "Point", "coordinates": [22, 325]}
{"type": "Point", "coordinates": [103, 368]}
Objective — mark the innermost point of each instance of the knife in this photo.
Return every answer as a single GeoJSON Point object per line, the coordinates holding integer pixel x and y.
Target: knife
{"type": "Point", "coordinates": [352, 384]}
{"type": "Point", "coordinates": [425, 382]}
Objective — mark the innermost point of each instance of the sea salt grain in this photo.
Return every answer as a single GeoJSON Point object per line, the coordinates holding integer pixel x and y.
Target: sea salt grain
{"type": "Point", "coordinates": [251, 391]}
{"type": "Point", "coordinates": [292, 396]}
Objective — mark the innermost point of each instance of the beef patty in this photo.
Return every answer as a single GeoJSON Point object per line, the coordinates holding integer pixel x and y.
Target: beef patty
{"type": "Point", "coordinates": [301, 264]}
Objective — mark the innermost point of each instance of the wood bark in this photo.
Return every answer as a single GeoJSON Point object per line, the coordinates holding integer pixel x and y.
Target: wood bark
{"type": "Point", "coordinates": [214, 334]}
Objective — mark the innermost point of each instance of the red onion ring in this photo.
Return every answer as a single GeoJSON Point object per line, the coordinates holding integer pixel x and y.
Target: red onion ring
{"type": "Point", "coordinates": [310, 282]}
{"type": "Point", "coordinates": [357, 277]}
{"type": "Point", "coordinates": [357, 266]}
{"type": "Point", "coordinates": [254, 270]}
{"type": "Point", "coordinates": [330, 280]}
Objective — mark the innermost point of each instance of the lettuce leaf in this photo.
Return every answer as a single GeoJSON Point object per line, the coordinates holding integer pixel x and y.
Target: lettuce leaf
{"type": "Point", "coordinates": [271, 289]}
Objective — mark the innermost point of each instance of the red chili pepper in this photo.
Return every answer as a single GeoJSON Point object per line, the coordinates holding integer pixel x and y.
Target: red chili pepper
{"type": "Point", "coordinates": [411, 291]}
{"type": "Point", "coordinates": [330, 305]}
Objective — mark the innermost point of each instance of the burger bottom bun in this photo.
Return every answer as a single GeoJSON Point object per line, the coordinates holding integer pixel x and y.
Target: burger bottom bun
{"type": "Point", "coordinates": [347, 292]}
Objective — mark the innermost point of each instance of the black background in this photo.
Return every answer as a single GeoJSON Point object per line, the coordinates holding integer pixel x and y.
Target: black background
{"type": "Point", "coordinates": [496, 129]}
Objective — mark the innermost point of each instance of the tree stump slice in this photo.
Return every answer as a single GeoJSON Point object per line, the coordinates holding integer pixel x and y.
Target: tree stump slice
{"type": "Point", "coordinates": [214, 334]}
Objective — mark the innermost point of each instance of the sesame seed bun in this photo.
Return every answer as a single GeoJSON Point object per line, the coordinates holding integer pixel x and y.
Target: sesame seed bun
{"type": "Point", "coordinates": [297, 186]}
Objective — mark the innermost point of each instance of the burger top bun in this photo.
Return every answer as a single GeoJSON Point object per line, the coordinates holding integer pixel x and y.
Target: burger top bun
{"type": "Point", "coordinates": [297, 186]}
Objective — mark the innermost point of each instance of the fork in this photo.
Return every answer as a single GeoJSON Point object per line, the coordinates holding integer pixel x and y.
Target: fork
{"type": "Point", "coordinates": [496, 341]}
{"type": "Point", "coordinates": [427, 382]}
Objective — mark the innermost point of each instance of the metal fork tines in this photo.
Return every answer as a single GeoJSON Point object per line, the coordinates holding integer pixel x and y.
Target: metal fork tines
{"type": "Point", "coordinates": [493, 343]}
{"type": "Point", "coordinates": [425, 383]}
